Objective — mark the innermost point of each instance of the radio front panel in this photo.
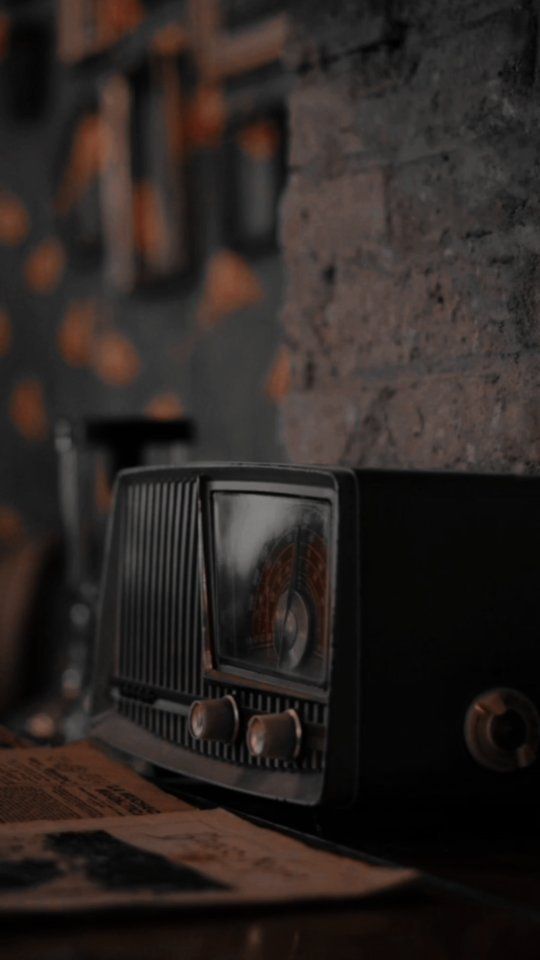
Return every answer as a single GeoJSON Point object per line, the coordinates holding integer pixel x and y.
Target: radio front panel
{"type": "Point", "coordinates": [181, 653]}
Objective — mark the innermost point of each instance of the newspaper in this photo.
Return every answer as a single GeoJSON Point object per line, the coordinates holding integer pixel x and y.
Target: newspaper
{"type": "Point", "coordinates": [9, 739]}
{"type": "Point", "coordinates": [189, 859]}
{"type": "Point", "coordinates": [73, 782]}
{"type": "Point", "coordinates": [81, 832]}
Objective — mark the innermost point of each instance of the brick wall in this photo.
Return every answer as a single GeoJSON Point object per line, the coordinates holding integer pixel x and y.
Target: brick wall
{"type": "Point", "coordinates": [411, 235]}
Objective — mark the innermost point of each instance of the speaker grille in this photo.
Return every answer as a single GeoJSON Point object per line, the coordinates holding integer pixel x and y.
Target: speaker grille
{"type": "Point", "coordinates": [159, 609]}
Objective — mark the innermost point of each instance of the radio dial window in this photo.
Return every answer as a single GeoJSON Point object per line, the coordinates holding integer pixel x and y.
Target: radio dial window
{"type": "Point", "coordinates": [272, 585]}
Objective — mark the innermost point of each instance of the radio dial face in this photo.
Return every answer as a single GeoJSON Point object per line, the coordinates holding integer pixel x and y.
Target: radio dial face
{"type": "Point", "coordinates": [292, 629]}
{"type": "Point", "coordinates": [273, 583]}
{"type": "Point", "coordinates": [288, 602]}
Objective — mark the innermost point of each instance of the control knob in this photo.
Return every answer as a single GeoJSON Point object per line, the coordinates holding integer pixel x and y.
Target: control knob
{"type": "Point", "coordinates": [214, 719]}
{"type": "Point", "coordinates": [502, 730]}
{"type": "Point", "coordinates": [276, 736]}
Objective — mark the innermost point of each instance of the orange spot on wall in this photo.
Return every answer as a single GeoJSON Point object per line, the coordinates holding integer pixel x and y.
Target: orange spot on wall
{"type": "Point", "coordinates": [5, 332]}
{"type": "Point", "coordinates": [230, 285]}
{"type": "Point", "coordinates": [5, 33]}
{"type": "Point", "coordinates": [116, 360]}
{"type": "Point", "coordinates": [14, 220]}
{"type": "Point", "coordinates": [260, 140]}
{"type": "Point", "coordinates": [118, 17]}
{"type": "Point", "coordinates": [44, 267]}
{"type": "Point", "coordinates": [76, 333]}
{"type": "Point", "coordinates": [27, 410]}
{"type": "Point", "coordinates": [170, 40]}
{"type": "Point", "coordinates": [84, 163]}
{"type": "Point", "coordinates": [207, 116]}
{"type": "Point", "coordinates": [278, 382]}
{"type": "Point", "coordinates": [149, 221]}
{"type": "Point", "coordinates": [166, 406]}
{"type": "Point", "coordinates": [11, 525]}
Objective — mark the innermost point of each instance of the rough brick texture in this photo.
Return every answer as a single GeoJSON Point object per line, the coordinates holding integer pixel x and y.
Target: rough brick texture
{"type": "Point", "coordinates": [411, 233]}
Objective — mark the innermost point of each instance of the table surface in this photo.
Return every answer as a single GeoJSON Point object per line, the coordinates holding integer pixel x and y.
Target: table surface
{"type": "Point", "coordinates": [478, 896]}
{"type": "Point", "coordinates": [418, 925]}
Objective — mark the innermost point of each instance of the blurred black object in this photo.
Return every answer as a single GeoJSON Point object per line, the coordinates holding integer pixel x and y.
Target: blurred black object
{"type": "Point", "coordinates": [28, 68]}
{"type": "Point", "coordinates": [90, 454]}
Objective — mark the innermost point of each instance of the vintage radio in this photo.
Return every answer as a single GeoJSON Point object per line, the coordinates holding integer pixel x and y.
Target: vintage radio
{"type": "Point", "coordinates": [324, 635]}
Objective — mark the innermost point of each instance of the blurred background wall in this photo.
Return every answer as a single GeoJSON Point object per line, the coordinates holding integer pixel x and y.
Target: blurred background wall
{"type": "Point", "coordinates": [139, 273]}
{"type": "Point", "coordinates": [411, 234]}
{"type": "Point", "coordinates": [144, 148]}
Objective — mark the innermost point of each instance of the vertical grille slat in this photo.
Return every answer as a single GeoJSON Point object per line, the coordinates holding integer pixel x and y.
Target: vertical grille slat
{"type": "Point", "coordinates": [131, 598]}
{"type": "Point", "coordinates": [160, 522]}
{"type": "Point", "coordinates": [194, 666]}
{"type": "Point", "coordinates": [190, 676]}
{"type": "Point", "coordinates": [172, 660]}
{"type": "Point", "coordinates": [153, 605]}
{"type": "Point", "coordinates": [144, 550]}
{"type": "Point", "coordinates": [183, 618]}
{"type": "Point", "coordinates": [181, 592]}
{"type": "Point", "coordinates": [149, 625]}
{"type": "Point", "coordinates": [137, 592]}
{"type": "Point", "coordinates": [165, 581]}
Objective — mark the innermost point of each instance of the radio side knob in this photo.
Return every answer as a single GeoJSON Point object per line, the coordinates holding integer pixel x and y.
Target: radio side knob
{"type": "Point", "coordinates": [214, 719]}
{"type": "Point", "coordinates": [276, 736]}
{"type": "Point", "coordinates": [502, 730]}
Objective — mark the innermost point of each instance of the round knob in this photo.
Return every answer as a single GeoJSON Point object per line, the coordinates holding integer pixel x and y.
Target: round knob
{"type": "Point", "coordinates": [216, 719]}
{"type": "Point", "coordinates": [275, 736]}
{"type": "Point", "coordinates": [502, 730]}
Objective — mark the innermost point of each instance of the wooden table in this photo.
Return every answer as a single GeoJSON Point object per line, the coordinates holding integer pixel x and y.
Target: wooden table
{"type": "Point", "coordinates": [416, 925]}
{"type": "Point", "coordinates": [473, 900]}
